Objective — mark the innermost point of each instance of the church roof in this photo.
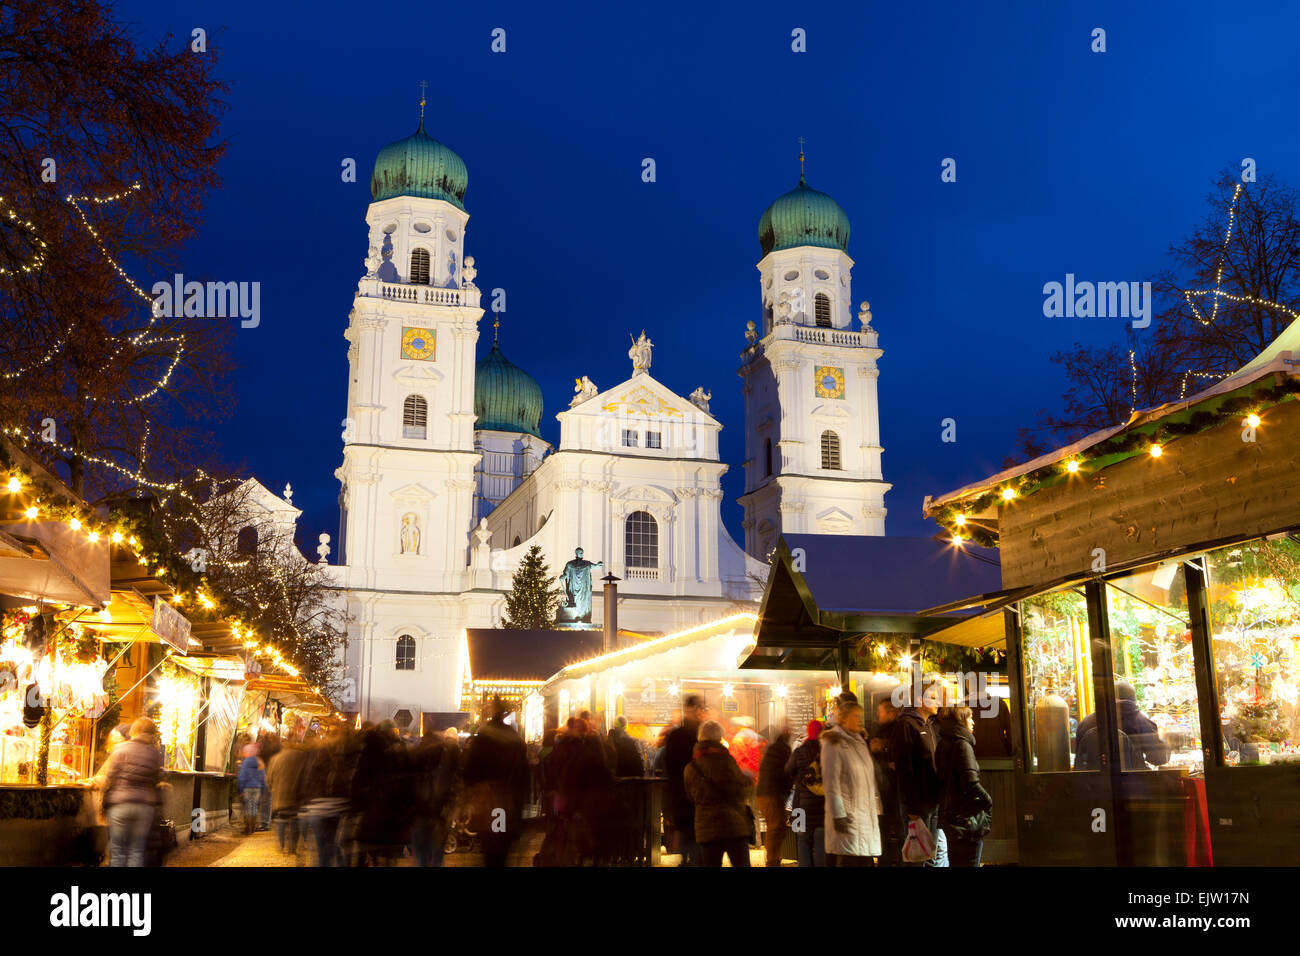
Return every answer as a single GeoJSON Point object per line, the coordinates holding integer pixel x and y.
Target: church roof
{"type": "Point", "coordinates": [506, 398]}
{"type": "Point", "coordinates": [419, 166]}
{"type": "Point", "coordinates": [803, 217]}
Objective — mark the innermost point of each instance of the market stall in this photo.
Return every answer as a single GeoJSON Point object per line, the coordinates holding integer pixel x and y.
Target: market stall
{"type": "Point", "coordinates": [1153, 642]}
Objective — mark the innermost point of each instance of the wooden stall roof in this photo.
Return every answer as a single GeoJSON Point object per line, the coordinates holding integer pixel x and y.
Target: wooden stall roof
{"type": "Point", "coordinates": [500, 654]}
{"type": "Point", "coordinates": [824, 589]}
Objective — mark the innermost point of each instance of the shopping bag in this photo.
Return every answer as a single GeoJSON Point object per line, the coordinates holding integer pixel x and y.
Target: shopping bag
{"type": "Point", "coordinates": [919, 845]}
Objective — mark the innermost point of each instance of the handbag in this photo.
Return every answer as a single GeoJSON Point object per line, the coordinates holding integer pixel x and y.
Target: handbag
{"type": "Point", "coordinates": [919, 845]}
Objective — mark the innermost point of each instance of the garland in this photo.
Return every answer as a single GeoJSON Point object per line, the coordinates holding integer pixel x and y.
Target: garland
{"type": "Point", "coordinates": [1146, 439]}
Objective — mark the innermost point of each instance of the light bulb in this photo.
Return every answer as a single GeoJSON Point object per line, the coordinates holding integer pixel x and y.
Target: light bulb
{"type": "Point", "coordinates": [15, 486]}
{"type": "Point", "coordinates": [31, 513]}
{"type": "Point", "coordinates": [1008, 494]}
{"type": "Point", "coordinates": [1072, 466]}
{"type": "Point", "coordinates": [1252, 420]}
{"type": "Point", "coordinates": [961, 521]}
{"type": "Point", "coordinates": [1156, 451]}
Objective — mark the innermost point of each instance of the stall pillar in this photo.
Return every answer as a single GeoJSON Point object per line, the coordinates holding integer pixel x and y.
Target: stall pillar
{"type": "Point", "coordinates": [611, 611]}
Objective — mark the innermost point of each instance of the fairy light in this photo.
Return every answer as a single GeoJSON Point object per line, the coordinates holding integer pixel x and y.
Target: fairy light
{"type": "Point", "coordinates": [956, 540]}
{"type": "Point", "coordinates": [15, 486]}
{"type": "Point", "coordinates": [1072, 466]}
{"type": "Point", "coordinates": [1008, 494]}
{"type": "Point", "coordinates": [74, 524]}
{"type": "Point", "coordinates": [31, 513]}
{"type": "Point", "coordinates": [1252, 420]}
{"type": "Point", "coordinates": [1156, 451]}
{"type": "Point", "coordinates": [961, 521]}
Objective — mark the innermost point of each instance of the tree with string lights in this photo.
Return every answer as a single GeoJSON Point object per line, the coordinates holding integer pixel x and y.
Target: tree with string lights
{"type": "Point", "coordinates": [1234, 287]}
{"type": "Point", "coordinates": [109, 151]}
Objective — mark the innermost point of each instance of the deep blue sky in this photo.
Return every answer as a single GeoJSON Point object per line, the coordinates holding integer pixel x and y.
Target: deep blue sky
{"type": "Point", "coordinates": [1068, 161]}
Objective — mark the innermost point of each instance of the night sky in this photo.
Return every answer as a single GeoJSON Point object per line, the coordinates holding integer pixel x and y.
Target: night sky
{"type": "Point", "coordinates": [1067, 161]}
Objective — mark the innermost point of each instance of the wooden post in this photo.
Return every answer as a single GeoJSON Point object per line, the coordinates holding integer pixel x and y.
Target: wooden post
{"type": "Point", "coordinates": [1207, 693]}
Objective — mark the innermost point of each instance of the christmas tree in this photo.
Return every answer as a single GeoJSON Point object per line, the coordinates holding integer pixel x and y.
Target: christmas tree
{"type": "Point", "coordinates": [533, 595]}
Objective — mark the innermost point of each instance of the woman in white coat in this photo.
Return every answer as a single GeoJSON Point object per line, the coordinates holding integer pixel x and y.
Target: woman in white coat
{"type": "Point", "coordinates": [852, 802]}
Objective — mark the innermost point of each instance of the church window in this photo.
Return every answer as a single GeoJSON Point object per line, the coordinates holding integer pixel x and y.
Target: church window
{"type": "Point", "coordinates": [653, 440]}
{"type": "Point", "coordinates": [822, 305]}
{"type": "Point", "coordinates": [629, 438]}
{"type": "Point", "coordinates": [830, 451]}
{"type": "Point", "coordinates": [641, 540]}
{"type": "Point", "coordinates": [420, 266]}
{"type": "Point", "coordinates": [246, 543]}
{"type": "Point", "coordinates": [415, 417]}
{"type": "Point", "coordinates": [406, 653]}
{"type": "Point", "coordinates": [767, 456]}
{"type": "Point", "coordinates": [821, 274]}
{"type": "Point", "coordinates": [518, 540]}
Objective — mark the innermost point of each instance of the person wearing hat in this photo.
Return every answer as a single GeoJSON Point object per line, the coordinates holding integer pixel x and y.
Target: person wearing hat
{"type": "Point", "coordinates": [720, 791]}
{"type": "Point", "coordinates": [808, 819]}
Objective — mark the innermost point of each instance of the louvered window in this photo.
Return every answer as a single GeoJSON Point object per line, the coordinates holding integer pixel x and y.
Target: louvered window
{"type": "Point", "coordinates": [420, 266]}
{"type": "Point", "coordinates": [831, 451]}
{"type": "Point", "coordinates": [822, 306]}
{"type": "Point", "coordinates": [415, 417]}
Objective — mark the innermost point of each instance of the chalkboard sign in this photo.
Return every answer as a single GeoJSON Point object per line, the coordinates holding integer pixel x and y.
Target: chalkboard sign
{"type": "Point", "coordinates": [800, 707]}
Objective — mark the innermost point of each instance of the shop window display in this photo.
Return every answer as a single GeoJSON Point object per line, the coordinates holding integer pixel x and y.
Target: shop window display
{"type": "Point", "coordinates": [1155, 677]}
{"type": "Point", "coordinates": [1058, 676]}
{"type": "Point", "coordinates": [1254, 610]}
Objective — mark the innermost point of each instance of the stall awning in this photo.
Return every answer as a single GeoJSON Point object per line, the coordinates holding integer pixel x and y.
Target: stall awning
{"type": "Point", "coordinates": [500, 654]}
{"type": "Point", "coordinates": [290, 691]}
{"type": "Point", "coordinates": [826, 589]}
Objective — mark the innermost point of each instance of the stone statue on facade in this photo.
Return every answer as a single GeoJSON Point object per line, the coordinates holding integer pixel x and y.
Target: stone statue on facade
{"type": "Point", "coordinates": [323, 549]}
{"type": "Point", "coordinates": [468, 272]}
{"type": "Point", "coordinates": [577, 589]}
{"type": "Point", "coordinates": [700, 398]}
{"type": "Point", "coordinates": [639, 353]}
{"type": "Point", "coordinates": [410, 534]}
{"type": "Point", "coordinates": [585, 388]}
{"type": "Point", "coordinates": [482, 532]}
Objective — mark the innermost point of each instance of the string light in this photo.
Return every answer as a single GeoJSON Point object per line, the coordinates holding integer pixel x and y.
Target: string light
{"type": "Point", "coordinates": [1252, 420]}
{"type": "Point", "coordinates": [1008, 494]}
{"type": "Point", "coordinates": [1156, 451]}
{"type": "Point", "coordinates": [960, 521]}
{"type": "Point", "coordinates": [1072, 466]}
{"type": "Point", "coordinates": [15, 486]}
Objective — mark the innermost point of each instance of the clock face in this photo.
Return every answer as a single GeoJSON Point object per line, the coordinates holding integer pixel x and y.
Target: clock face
{"type": "Point", "coordinates": [828, 382]}
{"type": "Point", "coordinates": [419, 344]}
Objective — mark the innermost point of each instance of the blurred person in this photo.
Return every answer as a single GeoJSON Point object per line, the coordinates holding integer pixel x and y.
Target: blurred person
{"type": "Point", "coordinates": [627, 753]}
{"type": "Point", "coordinates": [496, 777]}
{"type": "Point", "coordinates": [719, 791]}
{"type": "Point", "coordinates": [964, 804]}
{"type": "Point", "coordinates": [880, 741]}
{"type": "Point", "coordinates": [774, 785]}
{"type": "Point", "coordinates": [918, 785]}
{"type": "Point", "coordinates": [679, 750]}
{"type": "Point", "coordinates": [252, 784]}
{"type": "Point", "coordinates": [804, 768]}
{"type": "Point", "coordinates": [747, 747]}
{"type": "Point", "coordinates": [1139, 737]}
{"type": "Point", "coordinates": [433, 768]}
{"type": "Point", "coordinates": [130, 782]}
{"type": "Point", "coordinates": [270, 746]}
{"type": "Point", "coordinates": [852, 801]}
{"type": "Point", "coordinates": [284, 780]}
{"type": "Point", "coordinates": [326, 788]}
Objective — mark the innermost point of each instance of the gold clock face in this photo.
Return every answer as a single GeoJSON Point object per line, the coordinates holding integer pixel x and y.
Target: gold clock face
{"type": "Point", "coordinates": [419, 344]}
{"type": "Point", "coordinates": [828, 381]}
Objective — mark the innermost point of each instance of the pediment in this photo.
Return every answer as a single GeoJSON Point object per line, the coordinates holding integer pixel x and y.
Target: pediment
{"type": "Point", "coordinates": [834, 521]}
{"type": "Point", "coordinates": [416, 376]}
{"type": "Point", "coordinates": [644, 493]}
{"type": "Point", "coordinates": [830, 411]}
{"type": "Point", "coordinates": [413, 492]}
{"type": "Point", "coordinates": [640, 396]}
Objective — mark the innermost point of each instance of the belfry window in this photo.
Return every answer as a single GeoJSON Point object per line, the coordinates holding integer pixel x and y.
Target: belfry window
{"type": "Point", "coordinates": [830, 451]}
{"type": "Point", "coordinates": [406, 653]}
{"type": "Point", "coordinates": [420, 266]}
{"type": "Point", "coordinates": [767, 457]}
{"type": "Point", "coordinates": [641, 540]}
{"type": "Point", "coordinates": [415, 417]}
{"type": "Point", "coordinates": [822, 308]}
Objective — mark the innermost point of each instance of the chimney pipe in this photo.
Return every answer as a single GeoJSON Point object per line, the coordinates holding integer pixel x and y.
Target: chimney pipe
{"type": "Point", "coordinates": [611, 611]}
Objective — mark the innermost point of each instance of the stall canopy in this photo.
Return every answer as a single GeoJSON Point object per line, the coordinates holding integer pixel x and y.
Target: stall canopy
{"type": "Point", "coordinates": [290, 692]}
{"type": "Point", "coordinates": [825, 591]}
{"type": "Point", "coordinates": [503, 655]}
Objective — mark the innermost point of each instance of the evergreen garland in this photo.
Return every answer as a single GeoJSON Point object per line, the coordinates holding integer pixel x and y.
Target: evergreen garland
{"type": "Point", "coordinates": [534, 594]}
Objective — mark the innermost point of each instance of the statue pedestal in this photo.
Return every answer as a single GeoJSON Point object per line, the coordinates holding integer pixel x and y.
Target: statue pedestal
{"type": "Point", "coordinates": [568, 617]}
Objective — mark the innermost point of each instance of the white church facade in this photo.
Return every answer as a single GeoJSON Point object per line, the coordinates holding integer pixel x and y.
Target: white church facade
{"type": "Point", "coordinates": [446, 481]}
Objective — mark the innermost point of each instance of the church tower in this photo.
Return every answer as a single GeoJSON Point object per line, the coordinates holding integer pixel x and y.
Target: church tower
{"type": "Point", "coordinates": [812, 422]}
{"type": "Point", "coordinates": [409, 452]}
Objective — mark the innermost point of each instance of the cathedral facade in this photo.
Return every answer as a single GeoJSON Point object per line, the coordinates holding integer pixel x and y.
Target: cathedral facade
{"type": "Point", "coordinates": [446, 480]}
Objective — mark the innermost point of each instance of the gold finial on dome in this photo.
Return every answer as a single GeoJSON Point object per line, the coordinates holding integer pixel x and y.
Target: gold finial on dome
{"type": "Point", "coordinates": [496, 328]}
{"type": "Point", "coordinates": [801, 157]}
{"type": "Point", "coordinates": [423, 87]}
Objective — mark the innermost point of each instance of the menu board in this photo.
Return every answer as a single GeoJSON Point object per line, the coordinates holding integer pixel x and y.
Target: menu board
{"type": "Point", "coordinates": [800, 707]}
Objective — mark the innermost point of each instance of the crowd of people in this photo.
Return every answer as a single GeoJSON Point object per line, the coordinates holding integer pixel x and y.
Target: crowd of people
{"type": "Point", "coordinates": [851, 793]}
{"type": "Point", "coordinates": [854, 793]}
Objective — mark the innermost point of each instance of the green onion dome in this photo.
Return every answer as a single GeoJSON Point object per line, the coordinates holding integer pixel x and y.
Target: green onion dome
{"type": "Point", "coordinates": [506, 398]}
{"type": "Point", "coordinates": [803, 217]}
{"type": "Point", "coordinates": [419, 166]}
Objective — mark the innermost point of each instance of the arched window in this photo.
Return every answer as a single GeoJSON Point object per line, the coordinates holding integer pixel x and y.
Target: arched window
{"type": "Point", "coordinates": [822, 308]}
{"type": "Point", "coordinates": [406, 653]}
{"type": "Point", "coordinates": [415, 417]}
{"type": "Point", "coordinates": [641, 540]}
{"type": "Point", "coordinates": [420, 266]}
{"type": "Point", "coordinates": [246, 543]}
{"type": "Point", "coordinates": [767, 457]}
{"type": "Point", "coordinates": [518, 541]}
{"type": "Point", "coordinates": [831, 451]}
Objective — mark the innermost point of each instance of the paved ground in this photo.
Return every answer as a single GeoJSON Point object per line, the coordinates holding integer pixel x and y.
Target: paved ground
{"type": "Point", "coordinates": [228, 847]}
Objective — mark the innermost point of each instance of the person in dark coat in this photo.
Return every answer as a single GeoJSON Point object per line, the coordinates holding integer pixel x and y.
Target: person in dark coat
{"type": "Point", "coordinates": [325, 798]}
{"type": "Point", "coordinates": [809, 805]}
{"type": "Point", "coordinates": [496, 780]}
{"type": "Point", "coordinates": [918, 784]}
{"type": "Point", "coordinates": [774, 784]}
{"type": "Point", "coordinates": [993, 734]}
{"type": "Point", "coordinates": [719, 790]}
{"type": "Point", "coordinates": [1140, 742]}
{"type": "Point", "coordinates": [131, 797]}
{"type": "Point", "coordinates": [963, 801]}
{"type": "Point", "coordinates": [284, 780]}
{"type": "Point", "coordinates": [881, 743]}
{"type": "Point", "coordinates": [679, 750]}
{"type": "Point", "coordinates": [628, 761]}
{"type": "Point", "coordinates": [432, 771]}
